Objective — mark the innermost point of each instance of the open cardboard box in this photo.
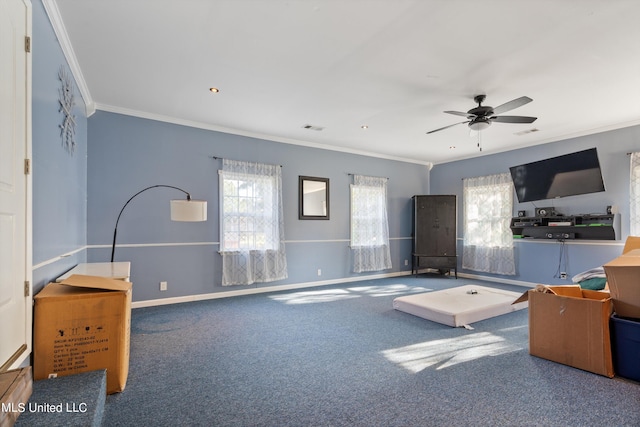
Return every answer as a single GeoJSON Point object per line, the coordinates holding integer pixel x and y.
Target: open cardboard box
{"type": "Point", "coordinates": [570, 325]}
{"type": "Point", "coordinates": [623, 277]}
{"type": "Point", "coordinates": [83, 324]}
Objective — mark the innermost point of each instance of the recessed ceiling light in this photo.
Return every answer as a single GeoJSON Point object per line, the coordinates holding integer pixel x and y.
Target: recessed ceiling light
{"type": "Point", "coordinates": [364, 127]}
{"type": "Point", "coordinates": [451, 147]}
{"type": "Point", "coordinates": [214, 89]}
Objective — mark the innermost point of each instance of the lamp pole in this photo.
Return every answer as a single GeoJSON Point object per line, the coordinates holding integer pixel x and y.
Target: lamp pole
{"type": "Point", "coordinates": [115, 230]}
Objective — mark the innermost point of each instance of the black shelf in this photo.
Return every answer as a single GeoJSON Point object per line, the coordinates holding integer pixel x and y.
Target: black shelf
{"type": "Point", "coordinates": [591, 227]}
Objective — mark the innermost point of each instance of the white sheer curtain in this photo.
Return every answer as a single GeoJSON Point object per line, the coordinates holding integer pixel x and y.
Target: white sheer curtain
{"type": "Point", "coordinates": [488, 240]}
{"type": "Point", "coordinates": [634, 195]}
{"type": "Point", "coordinates": [369, 224]}
{"type": "Point", "coordinates": [251, 223]}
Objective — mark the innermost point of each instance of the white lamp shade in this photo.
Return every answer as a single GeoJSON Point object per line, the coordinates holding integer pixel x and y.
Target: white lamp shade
{"type": "Point", "coordinates": [188, 210]}
{"type": "Point", "coordinates": [479, 125]}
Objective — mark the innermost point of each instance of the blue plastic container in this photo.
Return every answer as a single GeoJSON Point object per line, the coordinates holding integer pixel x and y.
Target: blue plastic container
{"type": "Point", "coordinates": [625, 343]}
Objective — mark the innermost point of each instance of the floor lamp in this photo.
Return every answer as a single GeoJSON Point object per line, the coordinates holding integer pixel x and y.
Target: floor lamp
{"type": "Point", "coordinates": [181, 210]}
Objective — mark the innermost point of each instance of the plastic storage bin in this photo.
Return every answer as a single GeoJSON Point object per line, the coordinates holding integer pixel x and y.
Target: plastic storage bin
{"type": "Point", "coordinates": [625, 340]}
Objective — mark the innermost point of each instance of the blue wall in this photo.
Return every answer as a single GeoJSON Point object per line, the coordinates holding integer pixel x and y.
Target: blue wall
{"type": "Point", "coordinates": [127, 154]}
{"type": "Point", "coordinates": [537, 260]}
{"type": "Point", "coordinates": [59, 178]}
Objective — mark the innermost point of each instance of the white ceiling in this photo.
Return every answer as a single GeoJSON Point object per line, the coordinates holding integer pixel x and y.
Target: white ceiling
{"type": "Point", "coordinates": [393, 65]}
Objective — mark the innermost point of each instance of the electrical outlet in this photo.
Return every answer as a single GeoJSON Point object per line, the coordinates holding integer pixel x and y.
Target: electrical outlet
{"type": "Point", "coordinates": [319, 272]}
{"type": "Point", "coordinates": [406, 262]}
{"type": "Point", "coordinates": [163, 286]}
{"type": "Point", "coordinates": [563, 275]}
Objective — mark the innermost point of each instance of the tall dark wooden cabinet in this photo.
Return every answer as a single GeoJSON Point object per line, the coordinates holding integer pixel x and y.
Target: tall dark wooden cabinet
{"type": "Point", "coordinates": [434, 233]}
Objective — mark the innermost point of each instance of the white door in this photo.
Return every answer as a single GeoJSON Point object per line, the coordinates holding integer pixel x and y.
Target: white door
{"type": "Point", "coordinates": [15, 246]}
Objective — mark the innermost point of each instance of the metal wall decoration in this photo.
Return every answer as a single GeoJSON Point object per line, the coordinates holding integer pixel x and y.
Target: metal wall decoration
{"type": "Point", "coordinates": [66, 100]}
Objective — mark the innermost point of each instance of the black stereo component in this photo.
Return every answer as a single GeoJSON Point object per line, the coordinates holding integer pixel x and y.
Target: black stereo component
{"type": "Point", "coordinates": [561, 236]}
{"type": "Point", "coordinates": [545, 212]}
{"type": "Point", "coordinates": [527, 223]}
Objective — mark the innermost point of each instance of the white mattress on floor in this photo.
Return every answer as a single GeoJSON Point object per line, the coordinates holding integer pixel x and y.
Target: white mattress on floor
{"type": "Point", "coordinates": [459, 306]}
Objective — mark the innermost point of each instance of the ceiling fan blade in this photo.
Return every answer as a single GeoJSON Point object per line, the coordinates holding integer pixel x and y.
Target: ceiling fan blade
{"type": "Point", "coordinates": [513, 119]}
{"type": "Point", "coordinates": [446, 127]}
{"type": "Point", "coordinates": [515, 103]}
{"type": "Point", "coordinates": [460, 113]}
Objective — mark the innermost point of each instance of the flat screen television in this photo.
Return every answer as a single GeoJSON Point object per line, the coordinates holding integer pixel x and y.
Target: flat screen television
{"type": "Point", "coordinates": [567, 175]}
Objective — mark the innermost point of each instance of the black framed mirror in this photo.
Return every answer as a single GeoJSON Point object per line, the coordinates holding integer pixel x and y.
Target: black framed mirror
{"type": "Point", "coordinates": [313, 197]}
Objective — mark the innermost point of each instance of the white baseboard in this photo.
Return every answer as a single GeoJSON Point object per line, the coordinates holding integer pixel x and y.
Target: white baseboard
{"type": "Point", "coordinates": [239, 292]}
{"type": "Point", "coordinates": [252, 291]}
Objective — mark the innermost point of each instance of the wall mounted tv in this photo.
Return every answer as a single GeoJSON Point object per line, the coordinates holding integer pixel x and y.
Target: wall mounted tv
{"type": "Point", "coordinates": [567, 175]}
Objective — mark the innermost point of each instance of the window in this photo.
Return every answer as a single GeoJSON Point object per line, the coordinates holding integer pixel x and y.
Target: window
{"type": "Point", "coordinates": [369, 224]}
{"type": "Point", "coordinates": [488, 240]}
{"type": "Point", "coordinates": [634, 195]}
{"type": "Point", "coordinates": [247, 212]}
{"type": "Point", "coordinates": [251, 223]}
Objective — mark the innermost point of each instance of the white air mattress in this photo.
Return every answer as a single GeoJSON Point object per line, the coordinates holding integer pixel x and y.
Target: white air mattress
{"type": "Point", "coordinates": [460, 306]}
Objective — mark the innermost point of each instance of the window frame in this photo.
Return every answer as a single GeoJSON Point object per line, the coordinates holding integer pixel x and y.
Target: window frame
{"type": "Point", "coordinates": [245, 218]}
{"type": "Point", "coordinates": [354, 236]}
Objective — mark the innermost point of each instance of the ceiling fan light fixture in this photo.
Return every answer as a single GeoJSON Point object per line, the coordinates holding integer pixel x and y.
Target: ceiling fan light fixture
{"type": "Point", "coordinates": [479, 125]}
{"type": "Point", "coordinates": [481, 117]}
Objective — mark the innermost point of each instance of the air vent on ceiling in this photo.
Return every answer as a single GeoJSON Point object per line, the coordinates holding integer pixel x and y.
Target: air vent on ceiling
{"type": "Point", "coordinates": [312, 127]}
{"type": "Point", "coordinates": [524, 132]}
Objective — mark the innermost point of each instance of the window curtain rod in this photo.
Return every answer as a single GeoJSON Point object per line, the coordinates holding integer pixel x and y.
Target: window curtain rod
{"type": "Point", "coordinates": [352, 174]}
{"type": "Point", "coordinates": [222, 158]}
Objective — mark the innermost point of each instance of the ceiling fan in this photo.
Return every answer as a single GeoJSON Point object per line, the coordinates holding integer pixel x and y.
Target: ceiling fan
{"type": "Point", "coordinates": [481, 117]}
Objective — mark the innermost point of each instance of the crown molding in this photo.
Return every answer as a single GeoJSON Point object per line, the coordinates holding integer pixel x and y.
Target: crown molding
{"type": "Point", "coordinates": [51, 8]}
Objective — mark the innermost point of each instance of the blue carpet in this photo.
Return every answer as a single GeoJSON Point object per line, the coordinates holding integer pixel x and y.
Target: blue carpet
{"type": "Point", "coordinates": [341, 356]}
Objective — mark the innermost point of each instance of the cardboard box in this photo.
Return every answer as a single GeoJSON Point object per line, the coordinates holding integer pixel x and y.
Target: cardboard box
{"type": "Point", "coordinates": [83, 324]}
{"type": "Point", "coordinates": [632, 242]}
{"type": "Point", "coordinates": [623, 277]}
{"type": "Point", "coordinates": [625, 338]}
{"type": "Point", "coordinates": [570, 325]}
